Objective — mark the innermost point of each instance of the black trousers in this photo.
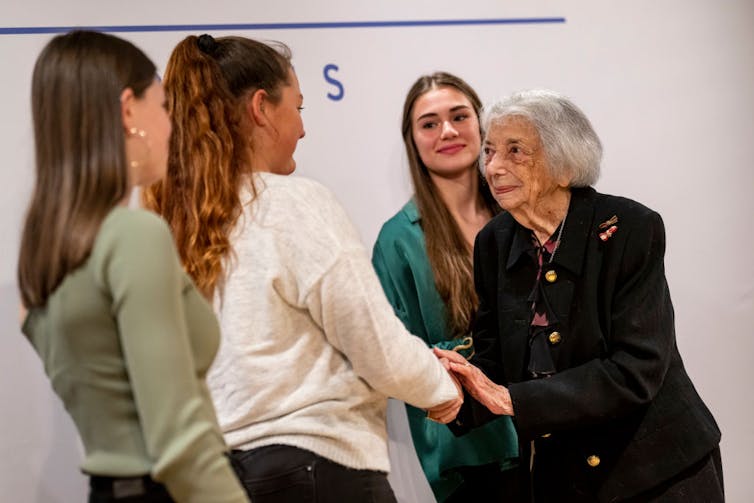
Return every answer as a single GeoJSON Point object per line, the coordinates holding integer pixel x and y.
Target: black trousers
{"type": "Point", "coordinates": [127, 490]}
{"type": "Point", "coordinates": [286, 474]}
{"type": "Point", "coordinates": [489, 484]}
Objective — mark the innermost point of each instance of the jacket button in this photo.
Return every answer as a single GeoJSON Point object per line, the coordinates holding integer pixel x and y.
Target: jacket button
{"type": "Point", "coordinates": [551, 276]}
{"type": "Point", "coordinates": [554, 338]}
{"type": "Point", "coordinates": [593, 461]}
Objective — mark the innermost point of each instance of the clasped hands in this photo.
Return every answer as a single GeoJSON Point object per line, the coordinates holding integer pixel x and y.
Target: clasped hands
{"type": "Point", "coordinates": [490, 394]}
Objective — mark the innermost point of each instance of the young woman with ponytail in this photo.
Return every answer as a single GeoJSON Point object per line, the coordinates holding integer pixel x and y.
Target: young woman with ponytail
{"type": "Point", "coordinates": [311, 348]}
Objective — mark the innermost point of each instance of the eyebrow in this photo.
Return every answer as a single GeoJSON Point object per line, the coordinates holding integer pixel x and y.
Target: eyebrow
{"type": "Point", "coordinates": [507, 142]}
{"type": "Point", "coordinates": [434, 114]}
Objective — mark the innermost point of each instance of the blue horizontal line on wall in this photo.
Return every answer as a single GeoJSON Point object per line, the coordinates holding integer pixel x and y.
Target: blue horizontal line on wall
{"type": "Point", "coordinates": [29, 30]}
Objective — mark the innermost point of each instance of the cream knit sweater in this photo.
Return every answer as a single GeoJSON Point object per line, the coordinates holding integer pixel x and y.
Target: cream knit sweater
{"type": "Point", "coordinates": [310, 346]}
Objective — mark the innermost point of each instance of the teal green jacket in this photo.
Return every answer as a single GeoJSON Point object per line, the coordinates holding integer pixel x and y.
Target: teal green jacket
{"type": "Point", "coordinates": [400, 259]}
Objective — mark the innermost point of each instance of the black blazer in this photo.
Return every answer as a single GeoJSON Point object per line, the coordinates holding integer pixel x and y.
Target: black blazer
{"type": "Point", "coordinates": [621, 397]}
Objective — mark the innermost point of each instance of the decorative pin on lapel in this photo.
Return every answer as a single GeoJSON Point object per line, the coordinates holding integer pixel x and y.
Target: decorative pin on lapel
{"type": "Point", "coordinates": [609, 228]}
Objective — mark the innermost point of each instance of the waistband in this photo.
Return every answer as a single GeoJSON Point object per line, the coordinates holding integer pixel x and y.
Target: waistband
{"type": "Point", "coordinates": [123, 487]}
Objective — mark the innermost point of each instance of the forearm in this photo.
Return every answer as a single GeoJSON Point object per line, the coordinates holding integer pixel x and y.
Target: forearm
{"type": "Point", "coordinates": [358, 320]}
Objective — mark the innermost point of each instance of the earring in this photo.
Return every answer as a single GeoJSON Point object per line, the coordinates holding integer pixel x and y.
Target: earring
{"type": "Point", "coordinates": [141, 136]}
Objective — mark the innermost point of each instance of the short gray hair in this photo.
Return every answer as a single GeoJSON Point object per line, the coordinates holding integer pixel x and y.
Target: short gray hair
{"type": "Point", "coordinates": [570, 144]}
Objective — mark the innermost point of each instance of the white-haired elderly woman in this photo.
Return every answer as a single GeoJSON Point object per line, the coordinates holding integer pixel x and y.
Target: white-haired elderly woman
{"type": "Point", "coordinates": [575, 334]}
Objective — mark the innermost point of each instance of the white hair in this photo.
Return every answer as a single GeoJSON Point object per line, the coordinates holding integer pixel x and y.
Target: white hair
{"type": "Point", "coordinates": [570, 144]}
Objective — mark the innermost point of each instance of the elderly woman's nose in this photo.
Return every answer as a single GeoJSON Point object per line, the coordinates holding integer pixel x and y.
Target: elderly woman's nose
{"type": "Point", "coordinates": [494, 163]}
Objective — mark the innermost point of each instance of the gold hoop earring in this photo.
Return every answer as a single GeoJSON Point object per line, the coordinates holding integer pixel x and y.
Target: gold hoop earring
{"type": "Point", "coordinates": [141, 135]}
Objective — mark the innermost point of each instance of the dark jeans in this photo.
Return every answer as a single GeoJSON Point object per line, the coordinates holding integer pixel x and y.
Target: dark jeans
{"type": "Point", "coordinates": [285, 474]}
{"type": "Point", "coordinates": [127, 490]}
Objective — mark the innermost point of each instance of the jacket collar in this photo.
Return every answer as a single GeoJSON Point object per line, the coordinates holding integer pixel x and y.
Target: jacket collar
{"type": "Point", "coordinates": [571, 250]}
{"type": "Point", "coordinates": [411, 211]}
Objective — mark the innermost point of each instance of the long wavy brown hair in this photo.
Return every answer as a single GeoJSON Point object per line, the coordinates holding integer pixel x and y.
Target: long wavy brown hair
{"type": "Point", "coordinates": [206, 82]}
{"type": "Point", "coordinates": [80, 153]}
{"type": "Point", "coordinates": [449, 254]}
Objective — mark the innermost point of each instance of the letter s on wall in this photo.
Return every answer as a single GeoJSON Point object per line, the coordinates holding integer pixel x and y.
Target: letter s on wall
{"type": "Point", "coordinates": [335, 82]}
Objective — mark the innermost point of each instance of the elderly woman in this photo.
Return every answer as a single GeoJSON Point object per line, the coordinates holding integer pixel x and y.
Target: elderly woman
{"type": "Point", "coordinates": [574, 335]}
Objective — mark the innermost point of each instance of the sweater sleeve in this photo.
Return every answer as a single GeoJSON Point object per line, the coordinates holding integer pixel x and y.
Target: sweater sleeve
{"type": "Point", "coordinates": [141, 270]}
{"type": "Point", "coordinates": [344, 297]}
{"type": "Point", "coordinates": [348, 303]}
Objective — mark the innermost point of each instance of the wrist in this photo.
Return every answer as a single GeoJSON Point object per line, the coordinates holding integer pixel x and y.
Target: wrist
{"type": "Point", "coordinates": [506, 402]}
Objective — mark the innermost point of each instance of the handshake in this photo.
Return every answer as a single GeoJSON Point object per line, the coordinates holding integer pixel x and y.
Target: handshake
{"type": "Point", "coordinates": [470, 378]}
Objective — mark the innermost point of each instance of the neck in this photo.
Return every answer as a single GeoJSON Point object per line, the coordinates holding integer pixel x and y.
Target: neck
{"type": "Point", "coordinates": [545, 215]}
{"type": "Point", "coordinates": [257, 146]}
{"type": "Point", "coordinates": [256, 159]}
{"type": "Point", "coordinates": [127, 198]}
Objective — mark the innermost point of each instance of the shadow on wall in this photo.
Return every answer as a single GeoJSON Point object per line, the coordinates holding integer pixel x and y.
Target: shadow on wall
{"type": "Point", "coordinates": [38, 441]}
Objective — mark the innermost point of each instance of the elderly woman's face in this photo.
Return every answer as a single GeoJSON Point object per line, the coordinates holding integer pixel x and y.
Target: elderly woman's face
{"type": "Point", "coordinates": [515, 165]}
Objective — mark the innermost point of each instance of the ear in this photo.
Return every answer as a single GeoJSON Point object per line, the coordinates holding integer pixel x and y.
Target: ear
{"type": "Point", "coordinates": [565, 179]}
{"type": "Point", "coordinates": [127, 99]}
{"type": "Point", "coordinates": [255, 107]}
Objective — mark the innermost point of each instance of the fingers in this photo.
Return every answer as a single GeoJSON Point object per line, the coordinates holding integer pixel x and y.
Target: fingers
{"type": "Point", "coordinates": [445, 412]}
{"type": "Point", "coordinates": [464, 369]}
{"type": "Point", "coordinates": [452, 356]}
{"type": "Point", "coordinates": [445, 363]}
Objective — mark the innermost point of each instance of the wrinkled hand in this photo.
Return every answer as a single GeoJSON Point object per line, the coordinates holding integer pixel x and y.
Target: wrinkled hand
{"type": "Point", "coordinates": [493, 396]}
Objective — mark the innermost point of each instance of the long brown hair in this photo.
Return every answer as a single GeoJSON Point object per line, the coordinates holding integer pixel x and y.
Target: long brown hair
{"type": "Point", "coordinates": [206, 80]}
{"type": "Point", "coordinates": [80, 155]}
{"type": "Point", "coordinates": [448, 252]}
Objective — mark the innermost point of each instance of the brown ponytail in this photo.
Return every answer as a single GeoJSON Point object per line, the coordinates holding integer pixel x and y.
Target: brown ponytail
{"type": "Point", "coordinates": [206, 80]}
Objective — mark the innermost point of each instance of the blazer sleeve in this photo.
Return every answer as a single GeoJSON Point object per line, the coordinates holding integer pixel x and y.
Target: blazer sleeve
{"type": "Point", "coordinates": [177, 420]}
{"type": "Point", "coordinates": [640, 337]}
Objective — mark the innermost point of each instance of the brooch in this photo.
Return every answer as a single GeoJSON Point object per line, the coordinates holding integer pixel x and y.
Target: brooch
{"type": "Point", "coordinates": [608, 227]}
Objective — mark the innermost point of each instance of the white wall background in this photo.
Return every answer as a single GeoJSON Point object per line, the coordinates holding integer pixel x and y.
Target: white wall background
{"type": "Point", "coordinates": [667, 83]}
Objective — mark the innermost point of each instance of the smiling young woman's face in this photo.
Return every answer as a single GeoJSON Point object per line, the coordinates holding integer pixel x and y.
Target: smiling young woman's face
{"type": "Point", "coordinates": [445, 129]}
